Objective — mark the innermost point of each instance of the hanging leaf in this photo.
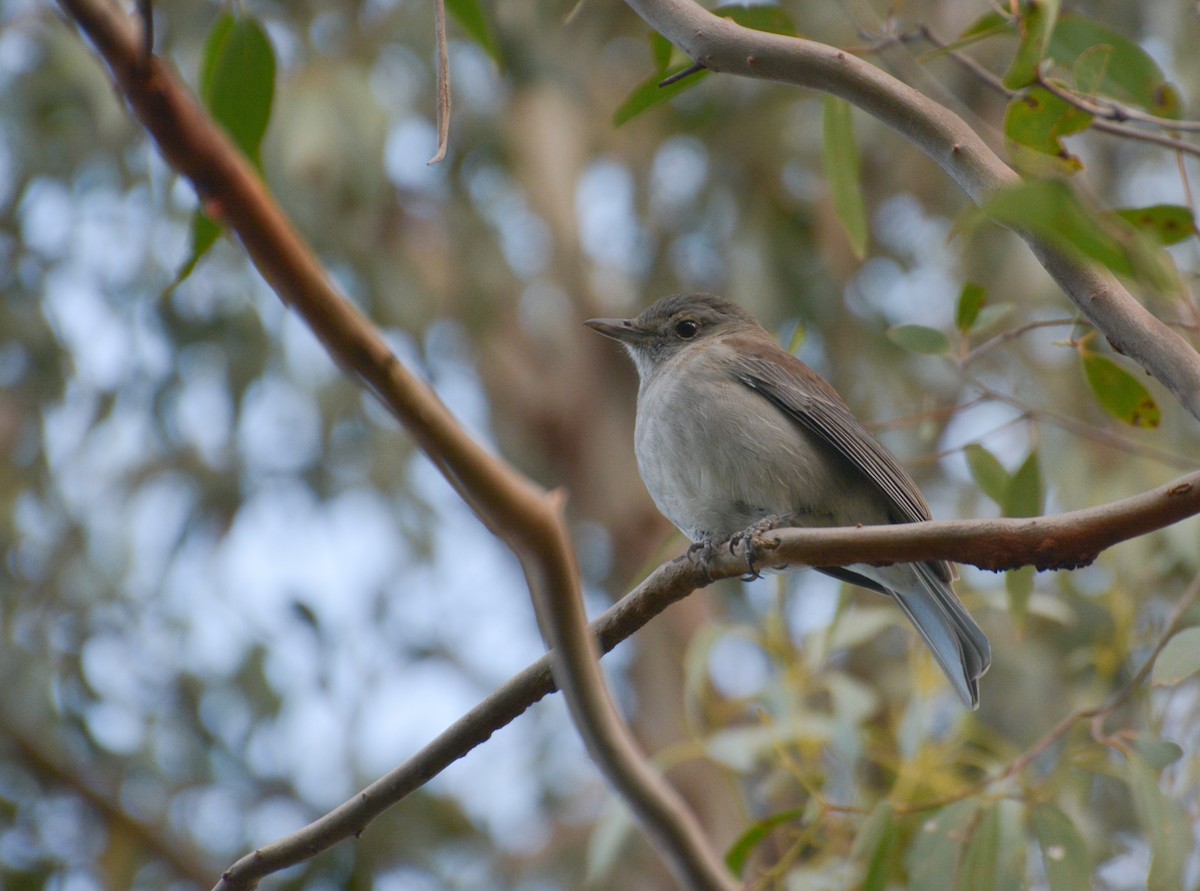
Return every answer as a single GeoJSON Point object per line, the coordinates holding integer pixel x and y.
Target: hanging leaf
{"type": "Point", "coordinates": [237, 84]}
{"type": "Point", "coordinates": [995, 857]}
{"type": "Point", "coordinates": [920, 339]}
{"type": "Point", "coordinates": [1167, 823]}
{"type": "Point", "coordinates": [1034, 126]}
{"type": "Point", "coordinates": [988, 473]}
{"type": "Point", "coordinates": [875, 846]}
{"type": "Point", "coordinates": [1065, 856]}
{"type": "Point", "coordinates": [470, 16]}
{"type": "Point", "coordinates": [1164, 224]}
{"type": "Point", "coordinates": [1025, 496]}
{"type": "Point", "coordinates": [758, 832]}
{"type": "Point", "coordinates": [933, 857]}
{"type": "Point", "coordinates": [970, 301]}
{"type": "Point", "coordinates": [650, 95]}
{"type": "Point", "coordinates": [840, 155]}
{"type": "Point", "coordinates": [1120, 393]}
{"type": "Point", "coordinates": [661, 49]}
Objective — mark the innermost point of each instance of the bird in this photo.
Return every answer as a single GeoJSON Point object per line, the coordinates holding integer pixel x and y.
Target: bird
{"type": "Point", "coordinates": [735, 435]}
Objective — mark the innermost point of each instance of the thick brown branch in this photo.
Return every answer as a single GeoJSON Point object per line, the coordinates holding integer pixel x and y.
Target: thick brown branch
{"type": "Point", "coordinates": [528, 520]}
{"type": "Point", "coordinates": [1060, 541]}
{"type": "Point", "coordinates": [720, 44]}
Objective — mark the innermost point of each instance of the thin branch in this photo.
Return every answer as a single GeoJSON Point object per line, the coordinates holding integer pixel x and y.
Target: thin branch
{"type": "Point", "coordinates": [1114, 111]}
{"type": "Point", "coordinates": [1012, 334]}
{"type": "Point", "coordinates": [1064, 540]}
{"type": "Point", "coordinates": [516, 510]}
{"type": "Point", "coordinates": [443, 82]}
{"type": "Point", "coordinates": [1087, 431]}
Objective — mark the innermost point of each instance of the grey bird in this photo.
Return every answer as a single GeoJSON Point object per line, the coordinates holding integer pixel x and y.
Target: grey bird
{"type": "Point", "coordinates": [734, 432]}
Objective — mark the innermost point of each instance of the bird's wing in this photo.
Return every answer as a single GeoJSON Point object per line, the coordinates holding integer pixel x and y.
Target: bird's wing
{"type": "Point", "coordinates": [821, 411]}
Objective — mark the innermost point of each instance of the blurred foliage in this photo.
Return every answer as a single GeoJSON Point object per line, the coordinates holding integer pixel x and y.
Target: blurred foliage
{"type": "Point", "coordinates": [232, 595]}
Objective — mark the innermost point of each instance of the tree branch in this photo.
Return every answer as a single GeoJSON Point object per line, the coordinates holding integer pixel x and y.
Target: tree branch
{"type": "Point", "coordinates": [720, 44]}
{"type": "Point", "coordinates": [516, 510]}
{"type": "Point", "coordinates": [1061, 541]}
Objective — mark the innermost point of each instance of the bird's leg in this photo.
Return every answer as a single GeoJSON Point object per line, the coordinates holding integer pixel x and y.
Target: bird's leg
{"type": "Point", "coordinates": [751, 540]}
{"type": "Point", "coordinates": [702, 552]}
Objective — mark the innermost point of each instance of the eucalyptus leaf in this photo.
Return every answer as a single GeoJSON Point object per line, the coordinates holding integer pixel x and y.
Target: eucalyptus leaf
{"type": "Point", "coordinates": [840, 156]}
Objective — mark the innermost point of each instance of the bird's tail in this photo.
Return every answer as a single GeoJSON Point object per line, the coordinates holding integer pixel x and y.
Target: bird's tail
{"type": "Point", "coordinates": [957, 643]}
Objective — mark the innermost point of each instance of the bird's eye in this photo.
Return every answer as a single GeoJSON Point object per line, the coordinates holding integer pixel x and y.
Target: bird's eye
{"type": "Point", "coordinates": [687, 329]}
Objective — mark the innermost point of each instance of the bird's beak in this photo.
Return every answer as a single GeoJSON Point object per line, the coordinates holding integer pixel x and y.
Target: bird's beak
{"type": "Point", "coordinates": [623, 330]}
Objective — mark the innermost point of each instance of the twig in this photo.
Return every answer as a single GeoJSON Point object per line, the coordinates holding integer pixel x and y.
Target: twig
{"type": "Point", "coordinates": [1012, 334]}
{"type": "Point", "coordinates": [1114, 111]}
{"type": "Point", "coordinates": [680, 75]}
{"type": "Point", "coordinates": [1087, 431]}
{"type": "Point", "coordinates": [990, 544]}
{"type": "Point", "coordinates": [443, 82]}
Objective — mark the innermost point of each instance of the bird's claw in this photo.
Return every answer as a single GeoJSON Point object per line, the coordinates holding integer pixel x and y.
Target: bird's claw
{"type": "Point", "coordinates": [702, 553]}
{"type": "Point", "coordinates": [751, 540]}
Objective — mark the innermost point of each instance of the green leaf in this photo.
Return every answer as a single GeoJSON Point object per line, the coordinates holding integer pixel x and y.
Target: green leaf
{"type": "Point", "coordinates": [933, 856]}
{"type": "Point", "coordinates": [469, 15]}
{"type": "Point", "coordinates": [650, 95]}
{"type": "Point", "coordinates": [1018, 586]}
{"type": "Point", "coordinates": [1067, 861]}
{"type": "Point", "coordinates": [1050, 209]}
{"type": "Point", "coordinates": [987, 25]}
{"type": "Point", "coordinates": [874, 847]}
{"type": "Point", "coordinates": [1167, 823]}
{"type": "Point", "coordinates": [760, 17]}
{"type": "Point", "coordinates": [970, 301]}
{"type": "Point", "coordinates": [1179, 659]}
{"type": "Point", "coordinates": [1034, 126]}
{"type": "Point", "coordinates": [1158, 753]}
{"type": "Point", "coordinates": [989, 474]}
{"type": "Point", "coordinates": [1036, 25]}
{"type": "Point", "coordinates": [759, 832]}
{"type": "Point", "coordinates": [661, 49]}
{"type": "Point", "coordinates": [1091, 68]}
{"type": "Point", "coordinates": [204, 235]}
{"type": "Point", "coordinates": [920, 339]}
{"type": "Point", "coordinates": [1131, 74]}
{"type": "Point", "coordinates": [237, 82]}
{"type": "Point", "coordinates": [1121, 394]}
{"type": "Point", "coordinates": [1164, 224]}
{"type": "Point", "coordinates": [992, 314]}
{"type": "Point", "coordinates": [995, 857]}
{"type": "Point", "coordinates": [840, 155]}
{"type": "Point", "coordinates": [1025, 496]}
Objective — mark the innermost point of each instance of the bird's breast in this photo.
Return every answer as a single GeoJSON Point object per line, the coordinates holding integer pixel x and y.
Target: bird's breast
{"type": "Point", "coordinates": [717, 457]}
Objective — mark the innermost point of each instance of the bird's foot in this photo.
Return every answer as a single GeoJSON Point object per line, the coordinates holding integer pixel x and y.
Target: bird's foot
{"type": "Point", "coordinates": [702, 553]}
{"type": "Point", "coordinates": [751, 541]}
